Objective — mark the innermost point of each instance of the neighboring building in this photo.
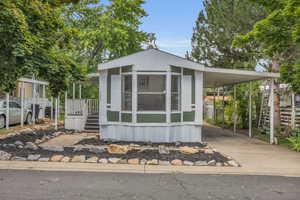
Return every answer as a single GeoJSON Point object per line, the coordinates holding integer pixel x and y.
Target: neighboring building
{"type": "Point", "coordinates": [153, 96]}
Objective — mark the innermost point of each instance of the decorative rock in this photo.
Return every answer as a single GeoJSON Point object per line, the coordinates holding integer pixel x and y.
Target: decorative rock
{"type": "Point", "coordinates": [77, 148]}
{"type": "Point", "coordinates": [19, 143]}
{"type": "Point", "coordinates": [188, 150]}
{"type": "Point", "coordinates": [20, 146]}
{"type": "Point", "coordinates": [201, 163]}
{"type": "Point", "coordinates": [134, 145]}
{"type": "Point", "coordinates": [117, 149]}
{"type": "Point", "coordinates": [208, 151]}
{"type": "Point", "coordinates": [31, 146]}
{"type": "Point", "coordinates": [143, 162]}
{"type": "Point", "coordinates": [219, 164]}
{"type": "Point", "coordinates": [53, 148]}
{"type": "Point", "coordinates": [211, 163]}
{"type": "Point", "coordinates": [66, 159]}
{"type": "Point", "coordinates": [188, 163]}
{"type": "Point", "coordinates": [152, 162]}
{"type": "Point", "coordinates": [80, 158]}
{"type": "Point", "coordinates": [19, 158]}
{"type": "Point", "coordinates": [37, 141]}
{"type": "Point", "coordinates": [33, 157]}
{"type": "Point", "coordinates": [233, 163]}
{"type": "Point", "coordinates": [44, 159]}
{"type": "Point", "coordinates": [176, 162]}
{"type": "Point", "coordinates": [177, 143]}
{"type": "Point", "coordinates": [97, 149]}
{"type": "Point", "coordinates": [4, 155]}
{"type": "Point", "coordinates": [103, 161]}
{"type": "Point", "coordinates": [133, 161]}
{"type": "Point", "coordinates": [164, 162]}
{"type": "Point", "coordinates": [57, 158]}
{"type": "Point", "coordinates": [114, 160]}
{"type": "Point", "coordinates": [11, 145]}
{"type": "Point", "coordinates": [26, 130]}
{"type": "Point", "coordinates": [123, 161]}
{"type": "Point", "coordinates": [163, 149]}
{"type": "Point", "coordinates": [93, 159]}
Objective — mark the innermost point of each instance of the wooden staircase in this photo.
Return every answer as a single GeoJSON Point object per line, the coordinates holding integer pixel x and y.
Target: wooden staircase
{"type": "Point", "coordinates": [92, 123]}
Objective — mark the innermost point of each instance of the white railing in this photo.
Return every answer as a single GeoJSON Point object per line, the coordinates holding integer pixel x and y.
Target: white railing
{"type": "Point", "coordinates": [93, 106]}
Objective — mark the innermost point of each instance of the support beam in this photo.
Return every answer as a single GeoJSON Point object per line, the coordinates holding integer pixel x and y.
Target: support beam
{"type": "Point", "coordinates": [223, 107]}
{"type": "Point", "coordinates": [66, 105]}
{"type": "Point", "coordinates": [80, 87]}
{"type": "Point", "coordinates": [51, 111]}
{"type": "Point", "coordinates": [134, 96]}
{"type": "Point", "coordinates": [44, 100]}
{"type": "Point", "coordinates": [235, 110]}
{"type": "Point", "coordinates": [56, 113]}
{"type": "Point", "coordinates": [272, 109]}
{"type": "Point", "coordinates": [250, 109]}
{"type": "Point", "coordinates": [74, 91]}
{"type": "Point", "coordinates": [168, 96]}
{"type": "Point", "coordinates": [215, 114]}
{"type": "Point", "coordinates": [22, 104]}
{"type": "Point", "coordinates": [7, 111]}
{"type": "Point", "coordinates": [293, 117]}
{"type": "Point", "coordinates": [34, 101]}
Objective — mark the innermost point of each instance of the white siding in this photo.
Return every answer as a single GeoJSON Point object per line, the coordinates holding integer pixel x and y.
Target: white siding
{"type": "Point", "coordinates": [186, 93]}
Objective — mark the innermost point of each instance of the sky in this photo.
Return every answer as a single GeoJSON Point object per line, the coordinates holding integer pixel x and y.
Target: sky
{"type": "Point", "coordinates": [172, 21]}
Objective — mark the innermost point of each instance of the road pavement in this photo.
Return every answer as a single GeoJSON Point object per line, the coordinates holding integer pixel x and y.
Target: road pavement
{"type": "Point", "coordinates": [68, 185]}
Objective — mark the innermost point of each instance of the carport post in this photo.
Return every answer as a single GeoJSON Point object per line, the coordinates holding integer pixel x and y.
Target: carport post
{"type": "Point", "coordinates": [22, 104]}
{"type": "Point", "coordinates": [250, 109]}
{"type": "Point", "coordinates": [7, 111]}
{"type": "Point", "coordinates": [33, 107]}
{"type": "Point", "coordinates": [235, 110]}
{"type": "Point", "coordinates": [80, 86]}
{"type": "Point", "coordinates": [215, 114]}
{"type": "Point", "coordinates": [66, 105]}
{"type": "Point", "coordinates": [293, 117]}
{"type": "Point", "coordinates": [51, 111]}
{"type": "Point", "coordinates": [74, 90]}
{"type": "Point", "coordinates": [272, 112]}
{"type": "Point", "coordinates": [223, 107]}
{"type": "Point", "coordinates": [56, 112]}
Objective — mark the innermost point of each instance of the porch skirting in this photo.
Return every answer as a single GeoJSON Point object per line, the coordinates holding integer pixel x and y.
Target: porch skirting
{"type": "Point", "coordinates": [174, 133]}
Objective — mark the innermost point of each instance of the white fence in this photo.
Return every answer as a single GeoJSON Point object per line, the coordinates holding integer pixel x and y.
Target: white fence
{"type": "Point", "coordinates": [80, 107]}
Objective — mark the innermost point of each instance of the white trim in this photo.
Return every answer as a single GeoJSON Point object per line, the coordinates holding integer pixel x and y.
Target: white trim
{"type": "Point", "coordinates": [103, 97]}
{"type": "Point", "coordinates": [28, 80]}
{"type": "Point", "coordinates": [151, 112]}
{"type": "Point", "coordinates": [134, 96]}
{"type": "Point", "coordinates": [151, 73]}
{"type": "Point", "coordinates": [151, 124]}
{"type": "Point", "coordinates": [198, 106]}
{"type": "Point", "coordinates": [250, 109]}
{"type": "Point", "coordinates": [168, 97]}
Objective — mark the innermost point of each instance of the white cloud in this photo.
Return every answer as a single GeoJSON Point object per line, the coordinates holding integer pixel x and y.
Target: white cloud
{"type": "Point", "coordinates": [174, 44]}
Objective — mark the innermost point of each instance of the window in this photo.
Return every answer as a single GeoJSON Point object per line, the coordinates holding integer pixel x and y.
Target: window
{"type": "Point", "coordinates": [151, 93]}
{"type": "Point", "coordinates": [175, 93]}
{"type": "Point", "coordinates": [127, 92]}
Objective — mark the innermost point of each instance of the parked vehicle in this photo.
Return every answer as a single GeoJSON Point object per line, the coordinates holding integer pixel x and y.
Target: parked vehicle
{"type": "Point", "coordinates": [14, 113]}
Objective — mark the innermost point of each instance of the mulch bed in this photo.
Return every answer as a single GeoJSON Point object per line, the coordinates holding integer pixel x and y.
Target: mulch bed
{"type": "Point", "coordinates": [98, 142]}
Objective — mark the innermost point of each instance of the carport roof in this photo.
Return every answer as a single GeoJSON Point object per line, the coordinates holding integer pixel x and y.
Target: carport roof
{"type": "Point", "coordinates": [154, 59]}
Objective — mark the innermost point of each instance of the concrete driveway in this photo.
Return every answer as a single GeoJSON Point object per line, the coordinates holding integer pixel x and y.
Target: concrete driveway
{"type": "Point", "coordinates": [254, 155]}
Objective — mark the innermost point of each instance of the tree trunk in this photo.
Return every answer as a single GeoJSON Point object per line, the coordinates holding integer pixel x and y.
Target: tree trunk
{"type": "Point", "coordinates": [275, 69]}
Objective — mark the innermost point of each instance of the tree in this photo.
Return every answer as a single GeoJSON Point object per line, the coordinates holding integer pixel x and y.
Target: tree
{"type": "Point", "coordinates": [278, 37]}
{"type": "Point", "coordinates": [105, 32]}
{"type": "Point", "coordinates": [215, 29]}
{"type": "Point", "coordinates": [34, 41]}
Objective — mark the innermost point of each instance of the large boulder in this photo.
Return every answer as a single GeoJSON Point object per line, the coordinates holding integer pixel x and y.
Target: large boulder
{"type": "Point", "coordinates": [31, 146]}
{"type": "Point", "coordinates": [4, 155]}
{"type": "Point", "coordinates": [53, 148]}
{"type": "Point", "coordinates": [188, 150]}
{"type": "Point", "coordinates": [117, 149]}
{"type": "Point", "coordinates": [163, 149]}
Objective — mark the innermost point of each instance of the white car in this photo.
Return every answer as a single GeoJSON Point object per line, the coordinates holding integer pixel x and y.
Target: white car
{"type": "Point", "coordinates": [14, 113]}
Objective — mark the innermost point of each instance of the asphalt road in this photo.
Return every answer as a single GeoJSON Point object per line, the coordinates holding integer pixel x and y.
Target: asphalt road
{"type": "Point", "coordinates": [42, 185]}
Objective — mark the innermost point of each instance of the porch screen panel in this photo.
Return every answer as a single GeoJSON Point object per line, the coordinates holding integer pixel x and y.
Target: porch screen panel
{"type": "Point", "coordinates": [186, 93]}
{"type": "Point", "coordinates": [127, 92]}
{"type": "Point", "coordinates": [115, 93]}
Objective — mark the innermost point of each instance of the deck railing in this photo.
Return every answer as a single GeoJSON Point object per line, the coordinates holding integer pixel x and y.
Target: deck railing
{"type": "Point", "coordinates": [80, 107]}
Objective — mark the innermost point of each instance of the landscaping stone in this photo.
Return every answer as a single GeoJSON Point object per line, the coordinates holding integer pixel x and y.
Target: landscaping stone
{"type": "Point", "coordinates": [93, 159]}
{"type": "Point", "coordinates": [11, 145]}
{"type": "Point", "coordinates": [31, 146]}
{"type": "Point", "coordinates": [201, 163]}
{"type": "Point", "coordinates": [44, 159]}
{"type": "Point", "coordinates": [188, 150]}
{"type": "Point", "coordinates": [123, 161]}
{"type": "Point", "coordinates": [17, 158]}
{"type": "Point", "coordinates": [143, 162]}
{"type": "Point", "coordinates": [208, 151]}
{"type": "Point", "coordinates": [114, 160]}
{"type": "Point", "coordinates": [53, 148]}
{"type": "Point", "coordinates": [164, 162]}
{"type": "Point", "coordinates": [103, 161]}
{"type": "Point", "coordinates": [20, 146]}
{"type": "Point", "coordinates": [77, 148]}
{"type": "Point", "coordinates": [211, 163]}
{"type": "Point", "coordinates": [97, 149]}
{"type": "Point", "coordinates": [152, 162]}
{"type": "Point", "coordinates": [80, 158]}
{"type": "Point", "coordinates": [188, 163]}
{"type": "Point", "coordinates": [176, 162]}
{"type": "Point", "coordinates": [233, 163]}
{"type": "Point", "coordinates": [33, 157]}
{"type": "Point", "coordinates": [38, 141]}
{"type": "Point", "coordinates": [133, 161]}
{"type": "Point", "coordinates": [134, 145]}
{"type": "Point", "coordinates": [117, 149]}
{"type": "Point", "coordinates": [163, 149]}
{"type": "Point", "coordinates": [219, 164]}
{"type": "Point", "coordinates": [19, 143]}
{"type": "Point", "coordinates": [57, 158]}
{"type": "Point", "coordinates": [66, 159]}
{"type": "Point", "coordinates": [4, 155]}
{"type": "Point", "coordinates": [26, 130]}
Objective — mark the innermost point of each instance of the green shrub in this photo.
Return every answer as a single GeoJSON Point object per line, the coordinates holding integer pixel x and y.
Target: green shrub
{"type": "Point", "coordinates": [295, 141]}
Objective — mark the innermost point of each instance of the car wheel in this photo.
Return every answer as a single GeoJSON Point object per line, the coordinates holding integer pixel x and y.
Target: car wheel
{"type": "Point", "coordinates": [2, 121]}
{"type": "Point", "coordinates": [29, 119]}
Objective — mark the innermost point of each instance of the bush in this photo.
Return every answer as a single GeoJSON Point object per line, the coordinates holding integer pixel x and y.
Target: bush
{"type": "Point", "coordinates": [295, 140]}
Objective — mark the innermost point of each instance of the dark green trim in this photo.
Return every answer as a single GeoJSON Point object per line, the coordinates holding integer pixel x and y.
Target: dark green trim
{"type": "Point", "coordinates": [151, 118]}
{"type": "Point", "coordinates": [112, 116]}
{"type": "Point", "coordinates": [188, 72]}
{"type": "Point", "coordinates": [189, 116]}
{"type": "Point", "coordinates": [193, 89]}
{"type": "Point", "coordinates": [126, 117]}
{"type": "Point", "coordinates": [108, 88]}
{"type": "Point", "coordinates": [127, 68]}
{"type": "Point", "coordinates": [175, 69]}
{"type": "Point", "coordinates": [176, 117]}
{"type": "Point", "coordinates": [114, 71]}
